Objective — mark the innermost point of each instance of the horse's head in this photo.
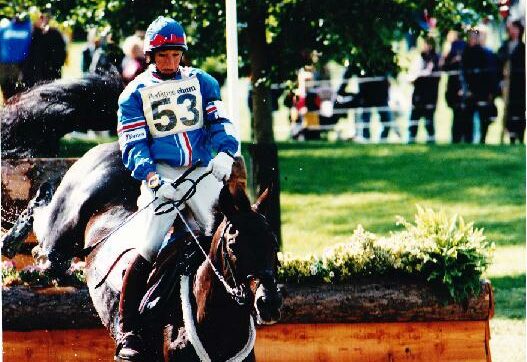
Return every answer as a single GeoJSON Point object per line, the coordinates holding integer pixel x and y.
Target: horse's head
{"type": "Point", "coordinates": [248, 250]}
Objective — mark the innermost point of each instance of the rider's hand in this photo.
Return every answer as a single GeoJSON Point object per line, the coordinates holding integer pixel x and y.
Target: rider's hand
{"type": "Point", "coordinates": [161, 186]}
{"type": "Point", "coordinates": [167, 191]}
{"type": "Point", "coordinates": [221, 166]}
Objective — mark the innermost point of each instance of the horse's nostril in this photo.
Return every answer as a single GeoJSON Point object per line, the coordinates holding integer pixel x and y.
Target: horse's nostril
{"type": "Point", "coordinates": [260, 302]}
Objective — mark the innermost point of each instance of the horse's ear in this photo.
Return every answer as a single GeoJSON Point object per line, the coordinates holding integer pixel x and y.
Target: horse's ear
{"type": "Point", "coordinates": [261, 200]}
{"type": "Point", "coordinates": [230, 203]}
{"type": "Point", "coordinates": [238, 176]}
{"type": "Point", "coordinates": [226, 202]}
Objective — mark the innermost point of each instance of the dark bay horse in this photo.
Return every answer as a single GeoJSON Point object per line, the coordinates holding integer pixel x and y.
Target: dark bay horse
{"type": "Point", "coordinates": [34, 121]}
{"type": "Point", "coordinates": [208, 322]}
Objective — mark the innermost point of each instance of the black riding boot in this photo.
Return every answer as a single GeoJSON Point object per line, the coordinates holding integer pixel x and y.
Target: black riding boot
{"type": "Point", "coordinates": [130, 345]}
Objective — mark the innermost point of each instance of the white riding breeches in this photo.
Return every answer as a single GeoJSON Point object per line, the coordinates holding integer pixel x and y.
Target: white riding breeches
{"type": "Point", "coordinates": [155, 227]}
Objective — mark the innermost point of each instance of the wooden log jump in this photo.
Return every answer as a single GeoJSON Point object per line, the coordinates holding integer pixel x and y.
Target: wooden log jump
{"type": "Point", "coordinates": [389, 301]}
{"type": "Point", "coordinates": [319, 323]}
{"type": "Point", "coordinates": [408, 341]}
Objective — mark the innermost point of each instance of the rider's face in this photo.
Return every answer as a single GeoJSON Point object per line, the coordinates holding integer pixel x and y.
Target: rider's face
{"type": "Point", "coordinates": [167, 61]}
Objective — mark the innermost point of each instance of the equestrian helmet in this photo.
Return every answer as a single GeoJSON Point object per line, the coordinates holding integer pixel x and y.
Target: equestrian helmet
{"type": "Point", "coordinates": [164, 33]}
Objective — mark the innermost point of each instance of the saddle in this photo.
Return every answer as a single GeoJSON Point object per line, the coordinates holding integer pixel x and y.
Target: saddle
{"type": "Point", "coordinates": [180, 256]}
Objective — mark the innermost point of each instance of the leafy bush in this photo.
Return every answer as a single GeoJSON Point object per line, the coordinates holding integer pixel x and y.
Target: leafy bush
{"type": "Point", "coordinates": [9, 273]}
{"type": "Point", "coordinates": [33, 275]}
{"type": "Point", "coordinates": [442, 250]}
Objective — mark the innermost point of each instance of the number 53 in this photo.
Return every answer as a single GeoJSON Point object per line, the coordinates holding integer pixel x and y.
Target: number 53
{"type": "Point", "coordinates": [171, 115]}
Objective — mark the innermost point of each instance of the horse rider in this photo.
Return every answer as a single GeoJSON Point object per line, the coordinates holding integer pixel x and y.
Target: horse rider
{"type": "Point", "coordinates": [170, 117]}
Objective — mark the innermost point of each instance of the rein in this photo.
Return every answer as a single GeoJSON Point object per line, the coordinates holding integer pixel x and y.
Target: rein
{"type": "Point", "coordinates": [175, 205]}
{"type": "Point", "coordinates": [191, 191]}
{"type": "Point", "coordinates": [237, 293]}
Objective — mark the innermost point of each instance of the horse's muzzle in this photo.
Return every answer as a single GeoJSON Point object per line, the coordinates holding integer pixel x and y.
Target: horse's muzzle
{"type": "Point", "coordinates": [52, 263]}
{"type": "Point", "coordinates": [268, 301]}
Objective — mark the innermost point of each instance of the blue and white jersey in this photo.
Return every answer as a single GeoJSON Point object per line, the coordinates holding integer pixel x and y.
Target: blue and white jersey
{"type": "Point", "coordinates": [177, 121]}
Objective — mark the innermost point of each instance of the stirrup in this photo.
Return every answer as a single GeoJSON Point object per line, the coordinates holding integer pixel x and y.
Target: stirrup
{"type": "Point", "coordinates": [129, 347]}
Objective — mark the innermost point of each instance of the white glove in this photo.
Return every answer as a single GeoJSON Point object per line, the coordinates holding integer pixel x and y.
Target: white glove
{"type": "Point", "coordinates": [167, 191]}
{"type": "Point", "coordinates": [221, 166]}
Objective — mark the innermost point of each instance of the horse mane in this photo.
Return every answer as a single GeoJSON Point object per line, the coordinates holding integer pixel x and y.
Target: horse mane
{"type": "Point", "coordinates": [232, 198]}
{"type": "Point", "coordinates": [205, 276]}
{"type": "Point", "coordinates": [34, 121]}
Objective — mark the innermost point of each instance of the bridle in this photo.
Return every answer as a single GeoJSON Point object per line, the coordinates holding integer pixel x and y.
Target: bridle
{"type": "Point", "coordinates": [238, 293]}
{"type": "Point", "coordinates": [260, 277]}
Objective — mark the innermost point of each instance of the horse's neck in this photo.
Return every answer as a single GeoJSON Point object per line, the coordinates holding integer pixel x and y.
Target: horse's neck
{"type": "Point", "coordinates": [211, 296]}
{"type": "Point", "coordinates": [223, 325]}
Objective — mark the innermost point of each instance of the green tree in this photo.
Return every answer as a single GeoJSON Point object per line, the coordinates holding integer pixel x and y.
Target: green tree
{"type": "Point", "coordinates": [272, 36]}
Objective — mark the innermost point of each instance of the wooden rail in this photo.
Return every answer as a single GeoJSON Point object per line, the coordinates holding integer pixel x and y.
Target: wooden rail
{"type": "Point", "coordinates": [411, 341]}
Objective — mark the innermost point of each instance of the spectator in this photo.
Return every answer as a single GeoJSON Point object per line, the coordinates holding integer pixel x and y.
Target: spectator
{"type": "Point", "coordinates": [47, 53]}
{"type": "Point", "coordinates": [487, 110]}
{"type": "Point", "coordinates": [462, 127]}
{"type": "Point", "coordinates": [15, 39]}
{"type": "Point", "coordinates": [311, 98]}
{"type": "Point", "coordinates": [134, 62]}
{"type": "Point", "coordinates": [108, 57]}
{"type": "Point", "coordinates": [373, 94]}
{"type": "Point", "coordinates": [424, 98]}
{"type": "Point", "coordinates": [89, 51]}
{"type": "Point", "coordinates": [480, 73]}
{"type": "Point", "coordinates": [512, 60]}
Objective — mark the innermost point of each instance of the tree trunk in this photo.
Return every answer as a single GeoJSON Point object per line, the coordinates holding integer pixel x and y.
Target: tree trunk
{"type": "Point", "coordinates": [379, 301]}
{"type": "Point", "coordinates": [365, 301]}
{"type": "Point", "coordinates": [264, 155]}
{"type": "Point", "coordinates": [47, 308]}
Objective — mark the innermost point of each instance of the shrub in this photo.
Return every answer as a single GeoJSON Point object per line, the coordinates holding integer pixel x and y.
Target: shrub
{"type": "Point", "coordinates": [442, 250]}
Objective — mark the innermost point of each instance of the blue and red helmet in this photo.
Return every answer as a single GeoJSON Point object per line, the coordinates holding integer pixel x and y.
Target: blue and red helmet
{"type": "Point", "coordinates": [165, 33]}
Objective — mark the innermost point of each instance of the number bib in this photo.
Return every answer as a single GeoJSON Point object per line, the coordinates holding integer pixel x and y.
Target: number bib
{"type": "Point", "coordinates": [173, 107]}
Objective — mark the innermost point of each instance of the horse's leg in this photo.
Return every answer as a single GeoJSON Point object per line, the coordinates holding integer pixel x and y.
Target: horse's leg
{"type": "Point", "coordinates": [95, 181]}
{"type": "Point", "coordinates": [13, 239]}
{"type": "Point", "coordinates": [154, 339]}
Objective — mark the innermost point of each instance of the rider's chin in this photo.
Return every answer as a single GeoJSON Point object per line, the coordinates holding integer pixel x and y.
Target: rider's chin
{"type": "Point", "coordinates": [167, 72]}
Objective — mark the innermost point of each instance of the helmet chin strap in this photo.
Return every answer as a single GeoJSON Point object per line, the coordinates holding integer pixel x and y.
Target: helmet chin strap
{"type": "Point", "coordinates": [166, 76]}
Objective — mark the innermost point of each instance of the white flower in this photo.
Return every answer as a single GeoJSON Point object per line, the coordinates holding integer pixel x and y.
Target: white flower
{"type": "Point", "coordinates": [313, 270]}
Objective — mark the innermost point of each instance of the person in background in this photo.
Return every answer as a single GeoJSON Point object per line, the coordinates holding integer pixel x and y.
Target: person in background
{"type": "Point", "coordinates": [134, 62]}
{"type": "Point", "coordinates": [47, 52]}
{"type": "Point", "coordinates": [512, 64]}
{"type": "Point", "coordinates": [480, 74]}
{"type": "Point", "coordinates": [109, 56]}
{"type": "Point", "coordinates": [374, 94]}
{"type": "Point", "coordinates": [424, 98]}
{"type": "Point", "coordinates": [89, 51]}
{"type": "Point", "coordinates": [15, 40]}
{"type": "Point", "coordinates": [456, 90]}
{"type": "Point", "coordinates": [307, 101]}
{"type": "Point", "coordinates": [486, 108]}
